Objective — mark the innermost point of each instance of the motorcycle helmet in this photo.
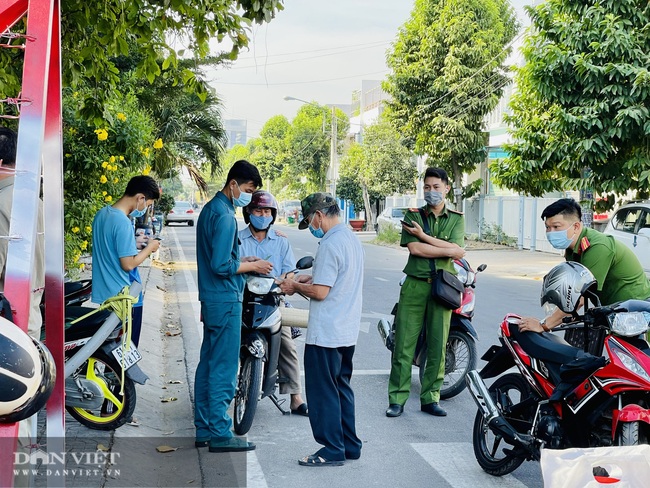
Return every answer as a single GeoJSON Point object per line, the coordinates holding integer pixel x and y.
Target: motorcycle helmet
{"type": "Point", "coordinates": [565, 284]}
{"type": "Point", "coordinates": [27, 374]}
{"type": "Point", "coordinates": [261, 199]}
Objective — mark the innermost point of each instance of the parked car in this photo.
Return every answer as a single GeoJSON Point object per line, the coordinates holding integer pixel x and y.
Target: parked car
{"type": "Point", "coordinates": [182, 212]}
{"type": "Point", "coordinates": [630, 224]}
{"type": "Point", "coordinates": [290, 210]}
{"type": "Point", "coordinates": [391, 216]}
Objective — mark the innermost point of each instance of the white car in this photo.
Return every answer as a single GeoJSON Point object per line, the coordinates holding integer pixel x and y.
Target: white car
{"type": "Point", "coordinates": [391, 216]}
{"type": "Point", "coordinates": [630, 224]}
{"type": "Point", "coordinates": [182, 212]}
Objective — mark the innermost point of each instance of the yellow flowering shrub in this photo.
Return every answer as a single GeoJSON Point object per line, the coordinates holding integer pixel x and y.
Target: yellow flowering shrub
{"type": "Point", "coordinates": [92, 176]}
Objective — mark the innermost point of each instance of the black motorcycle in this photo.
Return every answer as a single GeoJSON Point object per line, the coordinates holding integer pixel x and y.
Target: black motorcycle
{"type": "Point", "coordinates": [260, 346]}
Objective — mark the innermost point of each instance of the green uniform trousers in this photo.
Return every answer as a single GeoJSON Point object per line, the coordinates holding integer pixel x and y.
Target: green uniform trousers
{"type": "Point", "coordinates": [415, 310]}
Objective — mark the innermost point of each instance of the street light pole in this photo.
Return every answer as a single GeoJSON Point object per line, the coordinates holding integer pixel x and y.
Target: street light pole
{"type": "Point", "coordinates": [332, 171]}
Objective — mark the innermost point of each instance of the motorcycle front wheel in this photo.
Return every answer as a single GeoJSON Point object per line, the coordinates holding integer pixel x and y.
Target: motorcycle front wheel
{"type": "Point", "coordinates": [632, 434]}
{"type": "Point", "coordinates": [116, 409]}
{"type": "Point", "coordinates": [248, 394]}
{"type": "Point", "coordinates": [460, 359]}
{"type": "Point", "coordinates": [492, 452]}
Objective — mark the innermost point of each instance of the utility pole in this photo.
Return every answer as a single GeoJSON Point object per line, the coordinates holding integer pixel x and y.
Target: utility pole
{"type": "Point", "coordinates": [333, 169]}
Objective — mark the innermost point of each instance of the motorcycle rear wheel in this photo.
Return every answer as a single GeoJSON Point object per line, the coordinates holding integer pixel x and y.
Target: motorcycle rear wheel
{"type": "Point", "coordinates": [460, 359]}
{"type": "Point", "coordinates": [116, 409]}
{"type": "Point", "coordinates": [248, 394]}
{"type": "Point", "coordinates": [489, 447]}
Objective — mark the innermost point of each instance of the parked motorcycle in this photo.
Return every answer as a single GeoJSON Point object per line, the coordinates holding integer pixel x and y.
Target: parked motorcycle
{"type": "Point", "coordinates": [93, 368]}
{"type": "Point", "coordinates": [570, 399]}
{"type": "Point", "coordinates": [460, 356]}
{"type": "Point", "coordinates": [260, 346]}
{"type": "Point", "coordinates": [74, 293]}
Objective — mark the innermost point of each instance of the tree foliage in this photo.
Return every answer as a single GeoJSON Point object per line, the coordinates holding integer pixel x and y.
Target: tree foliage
{"type": "Point", "coordinates": [94, 35]}
{"type": "Point", "coordinates": [381, 165]}
{"type": "Point", "coordinates": [447, 75]}
{"type": "Point", "coordinates": [581, 117]}
{"type": "Point", "coordinates": [294, 156]}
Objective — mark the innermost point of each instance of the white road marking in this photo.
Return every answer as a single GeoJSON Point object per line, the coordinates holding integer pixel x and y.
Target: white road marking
{"type": "Point", "coordinates": [379, 278]}
{"type": "Point", "coordinates": [254, 474]}
{"type": "Point", "coordinates": [455, 462]}
{"type": "Point", "coordinates": [193, 292]}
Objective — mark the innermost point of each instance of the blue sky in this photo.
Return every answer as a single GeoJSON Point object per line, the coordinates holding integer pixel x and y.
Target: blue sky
{"type": "Point", "coordinates": [315, 50]}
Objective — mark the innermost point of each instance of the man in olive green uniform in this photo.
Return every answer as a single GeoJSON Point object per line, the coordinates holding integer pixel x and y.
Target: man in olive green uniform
{"type": "Point", "coordinates": [617, 270]}
{"type": "Point", "coordinates": [416, 308]}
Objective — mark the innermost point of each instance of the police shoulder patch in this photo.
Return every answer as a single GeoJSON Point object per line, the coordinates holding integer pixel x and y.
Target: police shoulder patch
{"type": "Point", "coordinates": [584, 244]}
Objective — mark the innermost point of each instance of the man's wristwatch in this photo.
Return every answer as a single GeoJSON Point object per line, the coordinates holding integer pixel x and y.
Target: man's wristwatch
{"type": "Point", "coordinates": [544, 326]}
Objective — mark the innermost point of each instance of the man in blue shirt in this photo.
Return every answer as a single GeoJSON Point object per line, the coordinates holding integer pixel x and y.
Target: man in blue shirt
{"type": "Point", "coordinates": [258, 239]}
{"type": "Point", "coordinates": [115, 254]}
{"type": "Point", "coordinates": [221, 289]}
{"type": "Point", "coordinates": [333, 328]}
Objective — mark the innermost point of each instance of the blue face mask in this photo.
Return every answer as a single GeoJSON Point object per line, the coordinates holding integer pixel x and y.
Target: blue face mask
{"type": "Point", "coordinates": [317, 233]}
{"type": "Point", "coordinates": [243, 199]}
{"type": "Point", "coordinates": [260, 222]}
{"type": "Point", "coordinates": [139, 213]}
{"type": "Point", "coordinates": [559, 239]}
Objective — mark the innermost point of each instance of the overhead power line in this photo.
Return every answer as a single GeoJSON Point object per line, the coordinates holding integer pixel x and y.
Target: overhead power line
{"type": "Point", "coordinates": [215, 80]}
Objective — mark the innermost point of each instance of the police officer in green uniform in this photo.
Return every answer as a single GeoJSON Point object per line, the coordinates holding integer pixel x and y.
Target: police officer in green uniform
{"type": "Point", "coordinates": [416, 309]}
{"type": "Point", "coordinates": [617, 270]}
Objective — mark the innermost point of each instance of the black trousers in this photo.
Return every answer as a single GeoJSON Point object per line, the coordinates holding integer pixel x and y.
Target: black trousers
{"type": "Point", "coordinates": [331, 401]}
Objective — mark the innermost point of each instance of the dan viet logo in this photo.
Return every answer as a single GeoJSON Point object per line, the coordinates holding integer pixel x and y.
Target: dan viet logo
{"type": "Point", "coordinates": [91, 463]}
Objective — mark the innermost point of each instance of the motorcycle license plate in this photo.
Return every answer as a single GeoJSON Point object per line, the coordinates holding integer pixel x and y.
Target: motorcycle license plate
{"type": "Point", "coordinates": [132, 356]}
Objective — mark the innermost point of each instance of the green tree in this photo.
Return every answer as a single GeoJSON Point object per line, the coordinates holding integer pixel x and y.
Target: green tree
{"type": "Point", "coordinates": [98, 163]}
{"type": "Point", "coordinates": [381, 166]}
{"type": "Point", "coordinates": [447, 75]}
{"type": "Point", "coordinates": [93, 36]}
{"type": "Point", "coordinates": [581, 115]}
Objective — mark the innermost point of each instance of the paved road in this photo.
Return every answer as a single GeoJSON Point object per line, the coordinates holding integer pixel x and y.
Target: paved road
{"type": "Point", "coordinates": [413, 450]}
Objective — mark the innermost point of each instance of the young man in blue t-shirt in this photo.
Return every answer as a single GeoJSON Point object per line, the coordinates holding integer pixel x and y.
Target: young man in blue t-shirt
{"type": "Point", "coordinates": [115, 255]}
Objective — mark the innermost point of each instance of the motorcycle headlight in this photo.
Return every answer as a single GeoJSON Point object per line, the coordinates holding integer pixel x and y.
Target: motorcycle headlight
{"type": "Point", "coordinates": [629, 324]}
{"type": "Point", "coordinates": [630, 363]}
{"type": "Point", "coordinates": [462, 275]}
{"type": "Point", "coordinates": [260, 285]}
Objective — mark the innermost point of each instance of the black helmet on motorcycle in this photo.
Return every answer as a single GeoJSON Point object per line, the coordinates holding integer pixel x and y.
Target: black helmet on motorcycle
{"type": "Point", "coordinates": [261, 199]}
{"type": "Point", "coordinates": [565, 284]}
{"type": "Point", "coordinates": [27, 374]}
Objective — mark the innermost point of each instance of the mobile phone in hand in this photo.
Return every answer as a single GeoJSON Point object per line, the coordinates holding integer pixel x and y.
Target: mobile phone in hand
{"type": "Point", "coordinates": [158, 238]}
{"type": "Point", "coordinates": [407, 224]}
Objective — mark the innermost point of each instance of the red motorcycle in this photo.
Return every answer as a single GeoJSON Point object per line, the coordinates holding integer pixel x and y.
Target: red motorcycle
{"type": "Point", "coordinates": [460, 355]}
{"type": "Point", "coordinates": [563, 396]}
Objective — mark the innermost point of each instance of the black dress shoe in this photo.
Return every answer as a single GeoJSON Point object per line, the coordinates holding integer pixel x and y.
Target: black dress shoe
{"type": "Point", "coordinates": [394, 410]}
{"type": "Point", "coordinates": [433, 409]}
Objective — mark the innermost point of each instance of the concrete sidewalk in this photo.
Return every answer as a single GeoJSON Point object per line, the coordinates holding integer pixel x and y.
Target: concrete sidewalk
{"type": "Point", "coordinates": [163, 417]}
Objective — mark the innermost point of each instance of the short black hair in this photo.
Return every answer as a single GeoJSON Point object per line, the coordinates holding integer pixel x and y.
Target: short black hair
{"type": "Point", "coordinates": [145, 185]}
{"type": "Point", "coordinates": [242, 172]}
{"type": "Point", "coordinates": [8, 143]}
{"type": "Point", "coordinates": [437, 173]}
{"type": "Point", "coordinates": [564, 206]}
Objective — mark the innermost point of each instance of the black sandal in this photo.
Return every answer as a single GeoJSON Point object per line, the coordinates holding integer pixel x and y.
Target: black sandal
{"type": "Point", "coordinates": [301, 410]}
{"type": "Point", "coordinates": [316, 460]}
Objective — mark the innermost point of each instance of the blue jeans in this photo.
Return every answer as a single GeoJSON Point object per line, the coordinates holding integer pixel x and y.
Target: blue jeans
{"type": "Point", "coordinates": [216, 374]}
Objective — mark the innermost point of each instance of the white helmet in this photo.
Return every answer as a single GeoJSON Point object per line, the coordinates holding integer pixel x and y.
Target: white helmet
{"type": "Point", "coordinates": [565, 284]}
{"type": "Point", "coordinates": [27, 374]}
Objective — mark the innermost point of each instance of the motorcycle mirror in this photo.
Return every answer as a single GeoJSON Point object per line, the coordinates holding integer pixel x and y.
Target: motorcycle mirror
{"type": "Point", "coordinates": [481, 268]}
{"type": "Point", "coordinates": [305, 262]}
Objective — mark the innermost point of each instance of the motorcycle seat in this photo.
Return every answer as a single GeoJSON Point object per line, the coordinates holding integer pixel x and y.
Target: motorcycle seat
{"type": "Point", "coordinates": [85, 327]}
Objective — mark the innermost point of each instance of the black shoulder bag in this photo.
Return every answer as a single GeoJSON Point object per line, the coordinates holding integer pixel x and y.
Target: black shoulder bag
{"type": "Point", "coordinates": [446, 289]}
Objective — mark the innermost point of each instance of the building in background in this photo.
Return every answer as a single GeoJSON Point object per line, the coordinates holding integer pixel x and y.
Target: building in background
{"type": "Point", "coordinates": [236, 130]}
